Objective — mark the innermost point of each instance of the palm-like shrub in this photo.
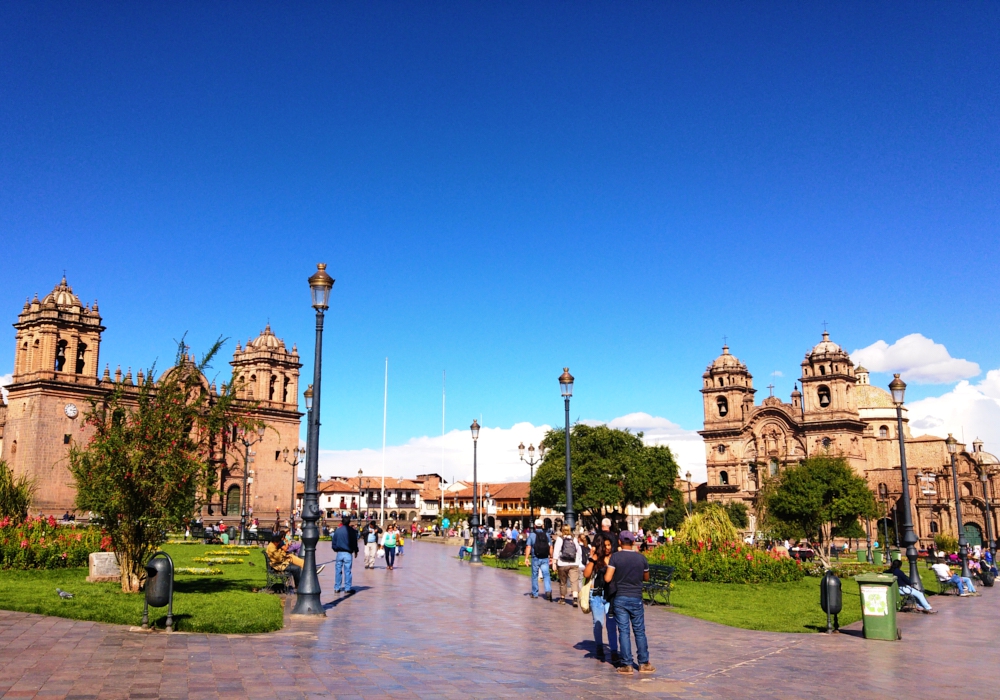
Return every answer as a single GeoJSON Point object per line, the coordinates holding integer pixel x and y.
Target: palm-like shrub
{"type": "Point", "coordinates": [710, 526]}
{"type": "Point", "coordinates": [15, 494]}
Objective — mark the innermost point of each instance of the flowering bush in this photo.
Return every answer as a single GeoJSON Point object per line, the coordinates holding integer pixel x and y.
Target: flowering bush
{"type": "Point", "coordinates": [726, 563]}
{"type": "Point", "coordinates": [845, 569]}
{"type": "Point", "coordinates": [217, 560]}
{"type": "Point", "coordinates": [39, 543]}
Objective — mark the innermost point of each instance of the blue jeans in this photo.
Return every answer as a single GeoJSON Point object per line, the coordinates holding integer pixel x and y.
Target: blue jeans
{"type": "Point", "coordinates": [542, 564]}
{"type": "Point", "coordinates": [390, 556]}
{"type": "Point", "coordinates": [603, 618]}
{"type": "Point", "coordinates": [628, 611]}
{"type": "Point", "coordinates": [917, 596]}
{"type": "Point", "coordinates": [964, 584]}
{"type": "Point", "coordinates": [343, 568]}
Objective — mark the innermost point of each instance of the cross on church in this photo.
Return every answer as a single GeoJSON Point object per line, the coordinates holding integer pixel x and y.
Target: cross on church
{"type": "Point", "coordinates": [725, 340]}
{"type": "Point", "coordinates": [824, 326]}
{"type": "Point", "coordinates": [771, 387]}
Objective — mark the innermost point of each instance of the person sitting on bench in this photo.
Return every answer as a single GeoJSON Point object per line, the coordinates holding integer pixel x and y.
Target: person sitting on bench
{"type": "Point", "coordinates": [280, 560]}
{"type": "Point", "coordinates": [964, 584]}
{"type": "Point", "coordinates": [906, 588]}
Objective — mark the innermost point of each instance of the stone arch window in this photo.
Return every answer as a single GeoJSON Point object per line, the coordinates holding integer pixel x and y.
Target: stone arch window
{"type": "Point", "coordinates": [822, 369]}
{"type": "Point", "coordinates": [233, 500]}
{"type": "Point", "coordinates": [966, 489]}
{"type": "Point", "coordinates": [270, 388]}
{"type": "Point", "coordinates": [61, 355]}
{"type": "Point", "coordinates": [722, 382]}
{"type": "Point", "coordinates": [722, 449]}
{"type": "Point", "coordinates": [723, 405]}
{"type": "Point", "coordinates": [883, 432]}
{"type": "Point", "coordinates": [826, 443]}
{"type": "Point", "coordinates": [724, 478]}
{"type": "Point", "coordinates": [824, 395]}
{"type": "Point", "coordinates": [392, 515]}
{"type": "Point", "coordinates": [934, 528]}
{"type": "Point", "coordinates": [772, 467]}
{"type": "Point", "coordinates": [81, 355]}
{"type": "Point", "coordinates": [284, 389]}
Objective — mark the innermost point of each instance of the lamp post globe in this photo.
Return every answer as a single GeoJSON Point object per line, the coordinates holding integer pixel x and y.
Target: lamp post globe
{"type": "Point", "coordinates": [687, 477]}
{"type": "Point", "coordinates": [566, 389]}
{"type": "Point", "coordinates": [963, 543]}
{"type": "Point", "coordinates": [307, 599]}
{"type": "Point", "coordinates": [476, 557]}
{"type": "Point", "coordinates": [898, 389]}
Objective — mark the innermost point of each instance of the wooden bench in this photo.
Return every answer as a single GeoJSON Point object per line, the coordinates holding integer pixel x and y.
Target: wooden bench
{"type": "Point", "coordinates": [507, 558]}
{"type": "Point", "coordinates": [277, 578]}
{"type": "Point", "coordinates": [945, 585]}
{"type": "Point", "coordinates": [661, 581]}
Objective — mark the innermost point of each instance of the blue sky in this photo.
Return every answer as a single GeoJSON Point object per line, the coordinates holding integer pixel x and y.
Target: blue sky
{"type": "Point", "coordinates": [505, 189]}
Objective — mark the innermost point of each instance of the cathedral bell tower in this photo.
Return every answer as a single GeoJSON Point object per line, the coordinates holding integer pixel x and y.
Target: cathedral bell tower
{"type": "Point", "coordinates": [727, 388]}
{"type": "Point", "coordinates": [828, 382]}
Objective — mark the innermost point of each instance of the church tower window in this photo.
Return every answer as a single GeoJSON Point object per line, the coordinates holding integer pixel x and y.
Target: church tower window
{"type": "Point", "coordinates": [270, 388]}
{"type": "Point", "coordinates": [826, 443]}
{"type": "Point", "coordinates": [772, 467]}
{"type": "Point", "coordinates": [81, 353]}
{"type": "Point", "coordinates": [61, 355]}
{"type": "Point", "coordinates": [883, 432]}
{"type": "Point", "coordinates": [934, 528]}
{"type": "Point", "coordinates": [824, 395]}
{"type": "Point", "coordinates": [722, 449]}
{"type": "Point", "coordinates": [723, 406]}
{"type": "Point", "coordinates": [724, 478]}
{"type": "Point", "coordinates": [822, 369]}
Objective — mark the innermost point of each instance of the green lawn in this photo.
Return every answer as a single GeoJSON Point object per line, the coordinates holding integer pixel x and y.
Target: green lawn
{"type": "Point", "coordinates": [773, 607]}
{"type": "Point", "coordinates": [223, 603]}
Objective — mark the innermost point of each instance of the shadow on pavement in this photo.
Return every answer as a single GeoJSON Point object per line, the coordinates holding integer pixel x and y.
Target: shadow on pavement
{"type": "Point", "coordinates": [345, 596]}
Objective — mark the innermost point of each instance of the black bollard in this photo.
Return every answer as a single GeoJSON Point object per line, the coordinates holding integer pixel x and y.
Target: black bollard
{"type": "Point", "coordinates": [831, 599]}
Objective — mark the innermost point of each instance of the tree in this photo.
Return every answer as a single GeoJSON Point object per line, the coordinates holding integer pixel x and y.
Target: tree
{"type": "Point", "coordinates": [818, 495]}
{"type": "Point", "coordinates": [710, 526]}
{"type": "Point", "coordinates": [612, 469]}
{"type": "Point", "coordinates": [152, 460]}
{"type": "Point", "coordinates": [15, 494]}
{"type": "Point", "coordinates": [736, 511]}
{"type": "Point", "coordinates": [675, 514]}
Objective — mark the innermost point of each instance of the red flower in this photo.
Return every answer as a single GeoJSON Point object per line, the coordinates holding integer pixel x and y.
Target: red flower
{"type": "Point", "coordinates": [24, 543]}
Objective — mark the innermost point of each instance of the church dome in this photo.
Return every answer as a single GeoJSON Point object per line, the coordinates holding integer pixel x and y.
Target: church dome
{"type": "Point", "coordinates": [982, 456]}
{"type": "Point", "coordinates": [726, 361]}
{"type": "Point", "coordinates": [267, 341]}
{"type": "Point", "coordinates": [63, 296]}
{"type": "Point", "coordinates": [868, 396]}
{"type": "Point", "coordinates": [826, 347]}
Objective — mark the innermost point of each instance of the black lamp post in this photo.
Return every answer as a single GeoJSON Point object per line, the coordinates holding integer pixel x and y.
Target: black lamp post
{"type": "Point", "coordinates": [688, 477]}
{"type": "Point", "coordinates": [898, 388]}
{"type": "Point", "coordinates": [566, 387]}
{"type": "Point", "coordinates": [531, 461]}
{"type": "Point", "coordinates": [360, 474]}
{"type": "Point", "coordinates": [294, 458]}
{"type": "Point", "coordinates": [883, 496]}
{"type": "Point", "coordinates": [307, 595]}
{"type": "Point", "coordinates": [475, 558]}
{"type": "Point", "coordinates": [248, 459]}
{"type": "Point", "coordinates": [963, 544]}
{"type": "Point", "coordinates": [984, 476]}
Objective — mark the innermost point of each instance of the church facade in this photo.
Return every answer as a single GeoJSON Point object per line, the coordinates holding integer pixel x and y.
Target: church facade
{"type": "Point", "coordinates": [55, 378]}
{"type": "Point", "coordinates": [837, 412]}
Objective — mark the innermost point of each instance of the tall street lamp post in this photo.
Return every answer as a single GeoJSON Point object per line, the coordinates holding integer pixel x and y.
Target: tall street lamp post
{"type": "Point", "coordinates": [984, 476]}
{"type": "Point", "coordinates": [307, 595]}
{"type": "Point", "coordinates": [898, 388]}
{"type": "Point", "coordinates": [883, 496]}
{"type": "Point", "coordinates": [566, 387]}
{"type": "Point", "coordinates": [963, 544]}
{"type": "Point", "coordinates": [294, 458]}
{"type": "Point", "coordinates": [688, 477]}
{"type": "Point", "coordinates": [360, 473]}
{"type": "Point", "coordinates": [531, 461]}
{"type": "Point", "coordinates": [475, 558]}
{"type": "Point", "coordinates": [248, 459]}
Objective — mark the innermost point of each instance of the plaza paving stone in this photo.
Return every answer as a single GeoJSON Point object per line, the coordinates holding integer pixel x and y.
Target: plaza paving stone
{"type": "Point", "coordinates": [420, 632]}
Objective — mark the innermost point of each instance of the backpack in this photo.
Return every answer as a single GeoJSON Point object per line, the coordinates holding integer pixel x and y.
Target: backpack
{"type": "Point", "coordinates": [567, 553]}
{"type": "Point", "coordinates": [541, 547]}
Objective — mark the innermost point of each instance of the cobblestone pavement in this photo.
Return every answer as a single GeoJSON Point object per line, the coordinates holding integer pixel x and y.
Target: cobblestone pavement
{"type": "Point", "coordinates": [418, 632]}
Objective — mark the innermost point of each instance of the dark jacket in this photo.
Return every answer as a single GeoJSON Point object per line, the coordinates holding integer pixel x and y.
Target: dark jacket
{"type": "Point", "coordinates": [901, 578]}
{"type": "Point", "coordinates": [345, 539]}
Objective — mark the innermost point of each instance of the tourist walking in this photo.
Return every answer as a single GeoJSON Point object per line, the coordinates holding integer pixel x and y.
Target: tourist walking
{"type": "Point", "coordinates": [537, 555]}
{"type": "Point", "coordinates": [399, 542]}
{"type": "Point", "coordinates": [627, 569]}
{"type": "Point", "coordinates": [567, 558]}
{"type": "Point", "coordinates": [600, 598]}
{"type": "Point", "coordinates": [389, 545]}
{"type": "Point", "coordinates": [345, 543]}
{"type": "Point", "coordinates": [370, 537]}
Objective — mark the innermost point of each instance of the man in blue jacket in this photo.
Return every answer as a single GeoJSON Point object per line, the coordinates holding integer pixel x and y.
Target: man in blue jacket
{"type": "Point", "coordinates": [345, 543]}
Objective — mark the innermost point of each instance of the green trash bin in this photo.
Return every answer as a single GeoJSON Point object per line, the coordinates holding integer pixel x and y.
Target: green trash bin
{"type": "Point", "coordinates": [877, 558]}
{"type": "Point", "coordinates": [879, 596]}
{"type": "Point", "coordinates": [862, 555]}
{"type": "Point", "coordinates": [896, 554]}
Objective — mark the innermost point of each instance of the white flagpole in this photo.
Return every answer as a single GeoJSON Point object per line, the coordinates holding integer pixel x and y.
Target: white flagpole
{"type": "Point", "coordinates": [385, 406]}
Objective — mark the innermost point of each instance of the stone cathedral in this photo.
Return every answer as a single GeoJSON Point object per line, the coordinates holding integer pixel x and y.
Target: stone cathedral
{"type": "Point", "coordinates": [837, 412]}
{"type": "Point", "coordinates": [55, 376]}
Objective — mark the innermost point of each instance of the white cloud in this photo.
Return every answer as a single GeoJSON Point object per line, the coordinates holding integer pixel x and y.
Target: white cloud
{"type": "Point", "coordinates": [497, 451]}
{"type": "Point", "coordinates": [969, 410]}
{"type": "Point", "coordinates": [5, 379]}
{"type": "Point", "coordinates": [917, 358]}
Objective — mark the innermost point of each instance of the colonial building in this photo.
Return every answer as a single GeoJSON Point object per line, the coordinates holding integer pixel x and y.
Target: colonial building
{"type": "Point", "coordinates": [837, 412]}
{"type": "Point", "coordinates": [55, 377]}
{"type": "Point", "coordinates": [341, 495]}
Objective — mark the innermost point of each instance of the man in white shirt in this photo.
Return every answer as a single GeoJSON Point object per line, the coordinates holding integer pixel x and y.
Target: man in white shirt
{"type": "Point", "coordinates": [566, 556]}
{"type": "Point", "coordinates": [943, 573]}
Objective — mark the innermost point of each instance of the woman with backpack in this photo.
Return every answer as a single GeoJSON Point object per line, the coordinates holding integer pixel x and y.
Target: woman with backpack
{"type": "Point", "coordinates": [600, 596]}
{"type": "Point", "coordinates": [566, 556]}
